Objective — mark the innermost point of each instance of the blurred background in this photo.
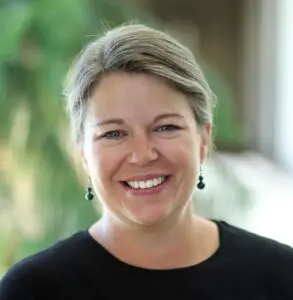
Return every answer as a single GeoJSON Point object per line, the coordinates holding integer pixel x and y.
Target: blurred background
{"type": "Point", "coordinates": [245, 49]}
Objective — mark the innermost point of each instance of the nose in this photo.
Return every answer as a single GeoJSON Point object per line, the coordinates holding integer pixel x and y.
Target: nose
{"type": "Point", "coordinates": [142, 151]}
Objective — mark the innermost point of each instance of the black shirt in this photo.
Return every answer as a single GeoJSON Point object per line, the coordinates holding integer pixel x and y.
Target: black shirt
{"type": "Point", "coordinates": [246, 266]}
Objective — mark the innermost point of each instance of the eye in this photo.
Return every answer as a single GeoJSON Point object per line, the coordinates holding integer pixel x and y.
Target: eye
{"type": "Point", "coordinates": [113, 134]}
{"type": "Point", "coordinates": [167, 128]}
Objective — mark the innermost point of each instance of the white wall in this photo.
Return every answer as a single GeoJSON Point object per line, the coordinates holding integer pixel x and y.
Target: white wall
{"type": "Point", "coordinates": [267, 53]}
{"type": "Point", "coordinates": [284, 108]}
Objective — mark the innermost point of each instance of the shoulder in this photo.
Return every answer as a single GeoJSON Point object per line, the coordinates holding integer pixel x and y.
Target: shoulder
{"type": "Point", "coordinates": [271, 259]}
{"type": "Point", "coordinates": [262, 264]}
{"type": "Point", "coordinates": [254, 244]}
{"type": "Point", "coordinates": [32, 272]}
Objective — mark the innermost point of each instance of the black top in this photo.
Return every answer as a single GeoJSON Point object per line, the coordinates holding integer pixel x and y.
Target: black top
{"type": "Point", "coordinates": [246, 266]}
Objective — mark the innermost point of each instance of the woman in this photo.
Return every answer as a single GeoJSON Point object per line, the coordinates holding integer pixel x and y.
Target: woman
{"type": "Point", "coordinates": [141, 114]}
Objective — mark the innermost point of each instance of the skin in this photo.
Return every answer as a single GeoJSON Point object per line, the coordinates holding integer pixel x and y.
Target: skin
{"type": "Point", "coordinates": [139, 128]}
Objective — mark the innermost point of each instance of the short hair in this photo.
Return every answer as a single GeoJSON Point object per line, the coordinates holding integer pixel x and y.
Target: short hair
{"type": "Point", "coordinates": [136, 48]}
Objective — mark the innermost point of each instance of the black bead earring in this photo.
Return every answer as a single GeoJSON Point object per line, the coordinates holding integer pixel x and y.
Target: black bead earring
{"type": "Point", "coordinates": [201, 185]}
{"type": "Point", "coordinates": [89, 194]}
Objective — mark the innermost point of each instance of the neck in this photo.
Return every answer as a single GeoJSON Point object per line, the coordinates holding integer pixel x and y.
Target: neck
{"type": "Point", "coordinates": [174, 243]}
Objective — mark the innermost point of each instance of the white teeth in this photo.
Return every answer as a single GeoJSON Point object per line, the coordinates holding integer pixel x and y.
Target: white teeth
{"type": "Point", "coordinates": [146, 184]}
{"type": "Point", "coordinates": [142, 184]}
{"type": "Point", "coordinates": [135, 185]}
{"type": "Point", "coordinates": [149, 183]}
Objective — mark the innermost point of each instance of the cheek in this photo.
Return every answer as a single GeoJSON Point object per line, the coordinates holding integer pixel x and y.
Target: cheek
{"type": "Point", "coordinates": [104, 162]}
{"type": "Point", "coordinates": [182, 153]}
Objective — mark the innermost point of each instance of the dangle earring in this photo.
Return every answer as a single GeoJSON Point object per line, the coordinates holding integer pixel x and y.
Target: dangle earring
{"type": "Point", "coordinates": [200, 185]}
{"type": "Point", "coordinates": [89, 194]}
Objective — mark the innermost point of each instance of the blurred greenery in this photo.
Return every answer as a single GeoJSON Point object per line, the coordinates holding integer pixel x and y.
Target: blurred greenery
{"type": "Point", "coordinates": [41, 193]}
{"type": "Point", "coordinates": [228, 133]}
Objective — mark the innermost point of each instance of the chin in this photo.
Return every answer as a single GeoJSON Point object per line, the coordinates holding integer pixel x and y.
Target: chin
{"type": "Point", "coordinates": [149, 218]}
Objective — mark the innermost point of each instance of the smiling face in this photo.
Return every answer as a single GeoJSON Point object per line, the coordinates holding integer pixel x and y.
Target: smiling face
{"type": "Point", "coordinates": [141, 148]}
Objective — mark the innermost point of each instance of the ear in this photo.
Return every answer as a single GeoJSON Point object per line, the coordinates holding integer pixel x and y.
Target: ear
{"type": "Point", "coordinates": [205, 138]}
{"type": "Point", "coordinates": [84, 161]}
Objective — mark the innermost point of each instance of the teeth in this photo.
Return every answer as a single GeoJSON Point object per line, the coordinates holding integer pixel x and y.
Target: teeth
{"type": "Point", "coordinates": [135, 185]}
{"type": "Point", "coordinates": [146, 184]}
{"type": "Point", "coordinates": [142, 184]}
{"type": "Point", "coordinates": [149, 183]}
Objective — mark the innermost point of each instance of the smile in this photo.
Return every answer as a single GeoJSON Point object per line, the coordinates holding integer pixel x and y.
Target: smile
{"type": "Point", "coordinates": [146, 184]}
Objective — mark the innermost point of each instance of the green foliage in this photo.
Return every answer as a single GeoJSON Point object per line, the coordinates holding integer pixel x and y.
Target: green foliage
{"type": "Point", "coordinates": [14, 19]}
{"type": "Point", "coordinates": [227, 131]}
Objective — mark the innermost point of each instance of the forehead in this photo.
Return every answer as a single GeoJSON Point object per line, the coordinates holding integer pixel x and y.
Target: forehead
{"type": "Point", "coordinates": [136, 95]}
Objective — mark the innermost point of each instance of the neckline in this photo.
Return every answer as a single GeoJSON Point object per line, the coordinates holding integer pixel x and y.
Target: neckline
{"type": "Point", "coordinates": [111, 259]}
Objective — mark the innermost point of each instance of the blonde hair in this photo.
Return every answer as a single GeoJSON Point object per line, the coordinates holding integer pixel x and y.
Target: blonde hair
{"type": "Point", "coordinates": [136, 48]}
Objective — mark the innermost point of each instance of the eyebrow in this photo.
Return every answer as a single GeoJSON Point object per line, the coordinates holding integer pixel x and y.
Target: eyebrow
{"type": "Point", "coordinates": [109, 122]}
{"type": "Point", "coordinates": [121, 121]}
{"type": "Point", "coordinates": [167, 115]}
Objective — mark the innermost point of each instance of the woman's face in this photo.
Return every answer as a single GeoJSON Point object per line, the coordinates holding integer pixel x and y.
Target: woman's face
{"type": "Point", "coordinates": [142, 148]}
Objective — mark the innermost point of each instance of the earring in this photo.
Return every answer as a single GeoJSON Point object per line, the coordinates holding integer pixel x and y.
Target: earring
{"type": "Point", "coordinates": [89, 194]}
{"type": "Point", "coordinates": [201, 185]}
